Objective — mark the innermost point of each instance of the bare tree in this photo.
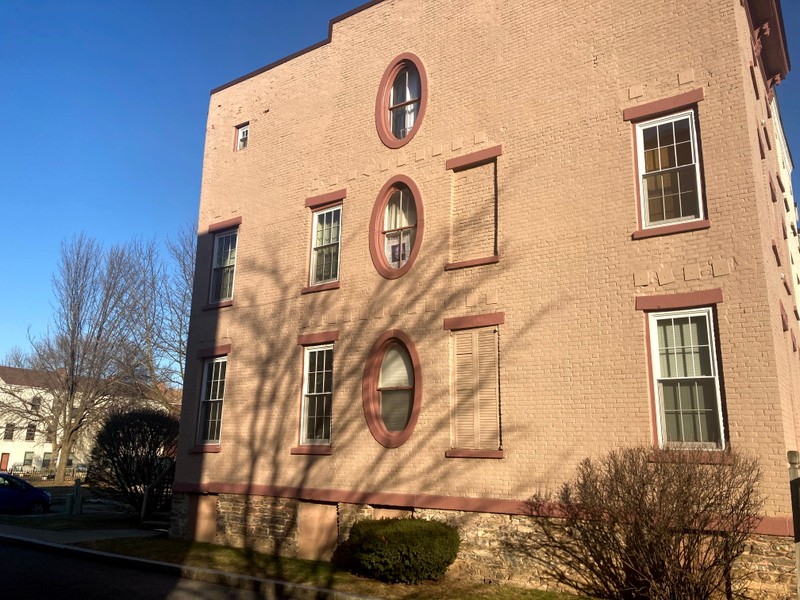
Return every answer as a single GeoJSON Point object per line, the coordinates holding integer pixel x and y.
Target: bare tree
{"type": "Point", "coordinates": [159, 304]}
{"type": "Point", "coordinates": [77, 360]}
{"type": "Point", "coordinates": [118, 338]}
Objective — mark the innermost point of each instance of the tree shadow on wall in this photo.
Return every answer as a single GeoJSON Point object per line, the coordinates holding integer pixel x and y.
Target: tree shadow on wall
{"type": "Point", "coordinates": [262, 481]}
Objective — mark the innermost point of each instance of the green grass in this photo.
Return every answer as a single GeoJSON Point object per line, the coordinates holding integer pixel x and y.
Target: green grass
{"type": "Point", "coordinates": [316, 573]}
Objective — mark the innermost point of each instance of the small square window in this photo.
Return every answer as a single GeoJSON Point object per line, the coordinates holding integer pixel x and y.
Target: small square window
{"type": "Point", "coordinates": [669, 170]}
{"type": "Point", "coordinates": [223, 266]}
{"type": "Point", "coordinates": [317, 395]}
{"type": "Point", "coordinates": [686, 378]}
{"type": "Point", "coordinates": [326, 236]}
{"type": "Point", "coordinates": [242, 134]}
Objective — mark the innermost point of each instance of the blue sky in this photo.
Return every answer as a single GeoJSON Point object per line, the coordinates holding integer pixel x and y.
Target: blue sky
{"type": "Point", "coordinates": [104, 105]}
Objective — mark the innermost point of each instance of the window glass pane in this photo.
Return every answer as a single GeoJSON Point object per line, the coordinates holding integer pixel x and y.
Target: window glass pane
{"type": "Point", "coordinates": [651, 161]}
{"type": "Point", "coordinates": [411, 115]}
{"type": "Point", "coordinates": [667, 157]}
{"type": "Point", "coordinates": [683, 153]}
{"type": "Point", "coordinates": [682, 130]}
{"type": "Point", "coordinates": [394, 211]}
{"type": "Point", "coordinates": [665, 137]}
{"type": "Point", "coordinates": [396, 369]}
{"type": "Point", "coordinates": [650, 138]}
{"type": "Point", "coordinates": [396, 408]}
{"type": "Point", "coordinates": [392, 250]}
{"type": "Point", "coordinates": [413, 87]}
{"type": "Point", "coordinates": [398, 118]}
{"type": "Point", "coordinates": [398, 93]}
{"type": "Point", "coordinates": [409, 216]}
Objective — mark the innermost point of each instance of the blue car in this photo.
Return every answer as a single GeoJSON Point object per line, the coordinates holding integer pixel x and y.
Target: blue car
{"type": "Point", "coordinates": [17, 495]}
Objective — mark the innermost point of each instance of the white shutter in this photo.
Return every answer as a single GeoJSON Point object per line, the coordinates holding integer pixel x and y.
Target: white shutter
{"type": "Point", "coordinates": [464, 413]}
{"type": "Point", "coordinates": [475, 415]}
{"type": "Point", "coordinates": [486, 413]}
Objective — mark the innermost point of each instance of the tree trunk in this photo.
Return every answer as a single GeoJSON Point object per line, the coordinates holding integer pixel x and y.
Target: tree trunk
{"type": "Point", "coordinates": [63, 457]}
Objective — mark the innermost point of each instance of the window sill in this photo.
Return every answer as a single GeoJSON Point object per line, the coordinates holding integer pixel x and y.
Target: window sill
{"type": "Point", "coordinates": [217, 305]}
{"type": "Point", "coordinates": [453, 453]}
{"type": "Point", "coordinates": [322, 287]}
{"type": "Point", "coordinates": [475, 262]}
{"type": "Point", "coordinates": [688, 455]}
{"type": "Point", "coordinates": [205, 449]}
{"type": "Point", "coordinates": [312, 450]}
{"type": "Point", "coordinates": [670, 229]}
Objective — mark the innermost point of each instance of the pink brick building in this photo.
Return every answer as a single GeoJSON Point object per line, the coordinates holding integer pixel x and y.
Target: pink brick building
{"type": "Point", "coordinates": [450, 251]}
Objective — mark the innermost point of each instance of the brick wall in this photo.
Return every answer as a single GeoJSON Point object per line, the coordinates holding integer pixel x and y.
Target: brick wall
{"type": "Point", "coordinates": [549, 82]}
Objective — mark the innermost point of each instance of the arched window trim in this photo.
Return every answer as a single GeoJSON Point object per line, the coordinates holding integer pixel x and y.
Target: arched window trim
{"type": "Point", "coordinates": [371, 396]}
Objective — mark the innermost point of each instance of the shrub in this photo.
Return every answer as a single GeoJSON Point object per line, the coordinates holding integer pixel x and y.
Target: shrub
{"type": "Point", "coordinates": [400, 550]}
{"type": "Point", "coordinates": [132, 450]}
{"type": "Point", "coordinates": [642, 523]}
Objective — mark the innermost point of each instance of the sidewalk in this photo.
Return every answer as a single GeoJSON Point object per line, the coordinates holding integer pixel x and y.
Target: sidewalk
{"type": "Point", "coordinates": [62, 542]}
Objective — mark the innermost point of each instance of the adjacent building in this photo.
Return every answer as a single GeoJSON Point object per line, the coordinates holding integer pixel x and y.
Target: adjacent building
{"type": "Point", "coordinates": [25, 445]}
{"type": "Point", "coordinates": [455, 248]}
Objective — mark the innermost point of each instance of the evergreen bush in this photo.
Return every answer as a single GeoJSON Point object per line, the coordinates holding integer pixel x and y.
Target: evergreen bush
{"type": "Point", "coordinates": [400, 550]}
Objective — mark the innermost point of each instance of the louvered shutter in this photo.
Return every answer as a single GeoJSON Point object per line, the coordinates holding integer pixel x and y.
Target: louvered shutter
{"type": "Point", "coordinates": [476, 398]}
{"type": "Point", "coordinates": [463, 359]}
{"type": "Point", "coordinates": [486, 413]}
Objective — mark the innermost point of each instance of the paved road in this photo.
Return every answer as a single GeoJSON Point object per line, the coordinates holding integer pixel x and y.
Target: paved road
{"type": "Point", "coordinates": [29, 574]}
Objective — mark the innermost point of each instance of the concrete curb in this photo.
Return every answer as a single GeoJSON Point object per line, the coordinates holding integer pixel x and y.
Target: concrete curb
{"type": "Point", "coordinates": [269, 589]}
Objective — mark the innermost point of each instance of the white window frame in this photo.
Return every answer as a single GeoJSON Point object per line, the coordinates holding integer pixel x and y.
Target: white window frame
{"type": "Point", "coordinates": [314, 227]}
{"type": "Point", "coordinates": [653, 319]}
{"type": "Point", "coordinates": [640, 171]}
{"type": "Point", "coordinates": [214, 267]}
{"type": "Point", "coordinates": [205, 399]}
{"type": "Point", "coordinates": [305, 440]}
{"type": "Point", "coordinates": [242, 136]}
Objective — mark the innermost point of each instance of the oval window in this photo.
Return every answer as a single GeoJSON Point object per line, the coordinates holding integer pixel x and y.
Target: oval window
{"type": "Point", "coordinates": [396, 227]}
{"type": "Point", "coordinates": [396, 388]}
{"type": "Point", "coordinates": [402, 96]}
{"type": "Point", "coordinates": [392, 389]}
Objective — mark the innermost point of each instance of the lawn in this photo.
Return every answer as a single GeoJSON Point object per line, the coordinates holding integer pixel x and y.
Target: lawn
{"type": "Point", "coordinates": [316, 573]}
{"type": "Point", "coordinates": [321, 574]}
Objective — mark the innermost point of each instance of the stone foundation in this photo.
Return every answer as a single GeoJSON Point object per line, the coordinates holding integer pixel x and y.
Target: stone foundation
{"type": "Point", "coordinates": [493, 546]}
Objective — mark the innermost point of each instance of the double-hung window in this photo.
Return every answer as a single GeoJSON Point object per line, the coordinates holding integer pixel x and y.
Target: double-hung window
{"type": "Point", "coordinates": [223, 266]}
{"type": "Point", "coordinates": [326, 236]}
{"type": "Point", "coordinates": [213, 394]}
{"type": "Point", "coordinates": [686, 378]}
{"type": "Point", "coordinates": [317, 395]}
{"type": "Point", "coordinates": [30, 432]}
{"type": "Point", "coordinates": [669, 170]}
{"type": "Point", "coordinates": [8, 434]}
